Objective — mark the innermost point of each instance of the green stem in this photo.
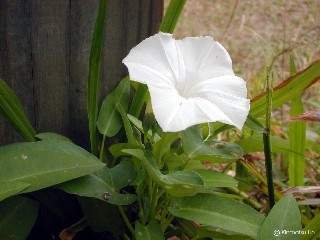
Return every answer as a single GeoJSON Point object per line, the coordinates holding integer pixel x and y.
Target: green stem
{"type": "Point", "coordinates": [167, 222]}
{"type": "Point", "coordinates": [268, 164]}
{"type": "Point", "coordinates": [154, 201]}
{"type": "Point", "coordinates": [125, 236]}
{"type": "Point", "coordinates": [246, 197]}
{"type": "Point", "coordinates": [126, 220]}
{"type": "Point", "coordinates": [102, 148]}
{"type": "Point", "coordinates": [138, 100]}
{"type": "Point", "coordinates": [267, 144]}
{"type": "Point", "coordinates": [262, 178]}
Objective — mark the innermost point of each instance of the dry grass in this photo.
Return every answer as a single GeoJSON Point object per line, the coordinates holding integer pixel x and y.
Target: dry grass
{"type": "Point", "coordinates": [257, 33]}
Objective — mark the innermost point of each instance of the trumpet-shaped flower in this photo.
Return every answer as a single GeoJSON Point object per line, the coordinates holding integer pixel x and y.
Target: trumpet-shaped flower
{"type": "Point", "coordinates": [190, 81]}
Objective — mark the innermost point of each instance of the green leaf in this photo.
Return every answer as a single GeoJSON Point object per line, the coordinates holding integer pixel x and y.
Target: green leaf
{"type": "Point", "coordinates": [138, 124]}
{"type": "Point", "coordinates": [254, 124]}
{"type": "Point", "coordinates": [161, 147]}
{"type": "Point", "coordinates": [213, 179]}
{"type": "Point", "coordinates": [18, 215]}
{"type": "Point", "coordinates": [283, 218]}
{"type": "Point", "coordinates": [109, 120]}
{"type": "Point", "coordinates": [13, 111]}
{"type": "Point", "coordinates": [150, 232]}
{"type": "Point", "coordinates": [254, 143]}
{"type": "Point", "coordinates": [178, 183]}
{"type": "Point", "coordinates": [288, 89]}
{"type": "Point", "coordinates": [297, 139]}
{"type": "Point", "coordinates": [312, 229]}
{"type": "Point", "coordinates": [130, 130]}
{"type": "Point", "coordinates": [172, 15]}
{"type": "Point", "coordinates": [104, 184]}
{"type": "Point", "coordinates": [45, 163]}
{"type": "Point", "coordinates": [94, 74]}
{"type": "Point", "coordinates": [52, 136]}
{"type": "Point", "coordinates": [138, 100]}
{"type": "Point", "coordinates": [101, 216]}
{"type": "Point", "coordinates": [282, 93]}
{"type": "Point", "coordinates": [116, 149]}
{"type": "Point", "coordinates": [208, 150]}
{"type": "Point", "coordinates": [8, 189]}
{"type": "Point", "coordinates": [207, 233]}
{"type": "Point", "coordinates": [218, 211]}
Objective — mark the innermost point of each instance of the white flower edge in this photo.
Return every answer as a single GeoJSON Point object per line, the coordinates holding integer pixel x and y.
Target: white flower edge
{"type": "Point", "coordinates": [191, 81]}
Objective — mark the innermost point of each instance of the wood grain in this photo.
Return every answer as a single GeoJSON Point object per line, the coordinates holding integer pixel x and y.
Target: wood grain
{"type": "Point", "coordinates": [44, 53]}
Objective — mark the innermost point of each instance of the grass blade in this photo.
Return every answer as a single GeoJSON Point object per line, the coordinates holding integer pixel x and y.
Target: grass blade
{"type": "Point", "coordinates": [288, 89]}
{"type": "Point", "coordinates": [94, 74]}
{"type": "Point", "coordinates": [172, 15]}
{"type": "Point", "coordinates": [297, 139]}
{"type": "Point", "coordinates": [13, 111]}
{"type": "Point", "coordinates": [282, 93]}
{"type": "Point", "coordinates": [312, 228]}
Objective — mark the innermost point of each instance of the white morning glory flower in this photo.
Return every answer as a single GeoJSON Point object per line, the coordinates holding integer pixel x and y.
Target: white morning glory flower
{"type": "Point", "coordinates": [190, 81]}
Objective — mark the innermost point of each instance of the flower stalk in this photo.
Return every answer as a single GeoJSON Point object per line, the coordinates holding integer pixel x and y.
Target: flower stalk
{"type": "Point", "coordinates": [267, 144]}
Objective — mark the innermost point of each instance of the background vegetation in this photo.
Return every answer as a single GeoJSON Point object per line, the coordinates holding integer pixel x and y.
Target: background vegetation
{"type": "Point", "coordinates": [256, 33]}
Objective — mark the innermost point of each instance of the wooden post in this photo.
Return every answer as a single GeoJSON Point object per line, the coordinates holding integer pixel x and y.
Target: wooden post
{"type": "Point", "coordinates": [44, 53]}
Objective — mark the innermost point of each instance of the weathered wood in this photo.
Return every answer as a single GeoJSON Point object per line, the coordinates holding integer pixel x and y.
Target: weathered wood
{"type": "Point", "coordinates": [82, 20]}
{"type": "Point", "coordinates": [50, 61]}
{"type": "Point", "coordinates": [15, 59]}
{"type": "Point", "coordinates": [44, 54]}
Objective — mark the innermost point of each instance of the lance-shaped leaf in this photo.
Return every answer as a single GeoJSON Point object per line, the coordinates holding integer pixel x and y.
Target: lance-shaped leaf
{"type": "Point", "coordinates": [18, 215]}
{"type": "Point", "coordinates": [150, 232]}
{"type": "Point", "coordinates": [312, 229]}
{"type": "Point", "coordinates": [288, 89]}
{"type": "Point", "coordinates": [94, 74]}
{"type": "Point", "coordinates": [45, 163]}
{"type": "Point", "coordinates": [178, 183]}
{"type": "Point", "coordinates": [8, 189]}
{"type": "Point", "coordinates": [214, 179]}
{"type": "Point", "coordinates": [297, 139]}
{"type": "Point", "coordinates": [254, 143]}
{"type": "Point", "coordinates": [218, 211]}
{"type": "Point", "coordinates": [208, 150]}
{"type": "Point", "coordinates": [104, 184]}
{"type": "Point", "coordinates": [13, 111]}
{"type": "Point", "coordinates": [101, 216]}
{"type": "Point", "coordinates": [109, 120]}
{"type": "Point", "coordinates": [283, 218]}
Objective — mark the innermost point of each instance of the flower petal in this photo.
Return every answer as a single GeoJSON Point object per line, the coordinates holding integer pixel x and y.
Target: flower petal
{"type": "Point", "coordinates": [228, 84]}
{"type": "Point", "coordinates": [204, 58]}
{"type": "Point", "coordinates": [155, 56]}
{"type": "Point", "coordinates": [175, 113]}
{"type": "Point", "coordinates": [191, 81]}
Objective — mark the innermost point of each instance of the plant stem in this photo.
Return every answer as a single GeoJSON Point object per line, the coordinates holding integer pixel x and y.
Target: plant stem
{"type": "Point", "coordinates": [126, 220]}
{"type": "Point", "coordinates": [246, 197]}
{"type": "Point", "coordinates": [154, 201]}
{"type": "Point", "coordinates": [262, 178]}
{"type": "Point", "coordinates": [102, 148]}
{"type": "Point", "coordinates": [267, 144]}
{"type": "Point", "coordinates": [268, 164]}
